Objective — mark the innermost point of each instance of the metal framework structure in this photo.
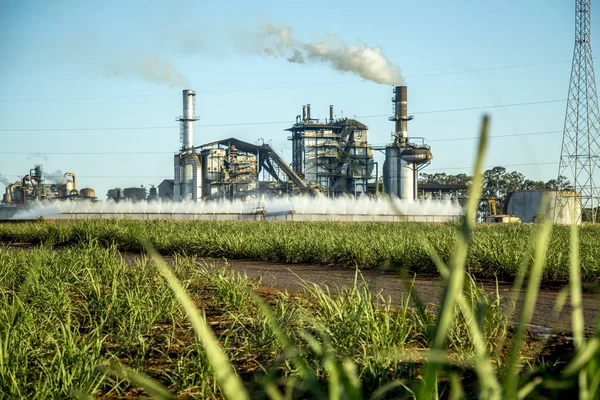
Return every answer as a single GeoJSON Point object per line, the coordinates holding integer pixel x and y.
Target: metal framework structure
{"type": "Point", "coordinates": [581, 137]}
{"type": "Point", "coordinates": [334, 155]}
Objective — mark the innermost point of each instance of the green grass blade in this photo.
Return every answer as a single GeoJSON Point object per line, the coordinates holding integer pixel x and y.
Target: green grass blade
{"type": "Point", "coordinates": [290, 350]}
{"type": "Point", "coordinates": [153, 388]}
{"type": "Point", "coordinates": [528, 306]}
{"type": "Point", "coordinates": [583, 357]}
{"type": "Point", "coordinates": [488, 381]}
{"type": "Point", "coordinates": [229, 382]}
{"type": "Point", "coordinates": [575, 287]}
{"type": "Point", "coordinates": [529, 387]}
{"type": "Point", "coordinates": [455, 282]}
{"type": "Point", "coordinates": [577, 323]}
{"type": "Point", "coordinates": [382, 391]}
{"type": "Point", "coordinates": [490, 387]}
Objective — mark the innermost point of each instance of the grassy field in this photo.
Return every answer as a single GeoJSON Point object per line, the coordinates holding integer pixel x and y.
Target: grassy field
{"type": "Point", "coordinates": [495, 250]}
{"type": "Point", "coordinates": [70, 318]}
{"type": "Point", "coordinates": [76, 320]}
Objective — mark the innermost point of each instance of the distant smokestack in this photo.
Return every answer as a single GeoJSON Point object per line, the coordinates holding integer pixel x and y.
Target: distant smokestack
{"type": "Point", "coordinates": [401, 117]}
{"type": "Point", "coordinates": [303, 113]}
{"type": "Point", "coordinates": [308, 112]}
{"type": "Point", "coordinates": [188, 118]}
{"type": "Point", "coordinates": [331, 113]}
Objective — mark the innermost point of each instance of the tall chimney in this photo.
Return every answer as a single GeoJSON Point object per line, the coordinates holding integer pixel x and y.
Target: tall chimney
{"type": "Point", "coordinates": [308, 112]}
{"type": "Point", "coordinates": [303, 113]}
{"type": "Point", "coordinates": [188, 118]}
{"type": "Point", "coordinates": [401, 116]}
{"type": "Point", "coordinates": [331, 113]}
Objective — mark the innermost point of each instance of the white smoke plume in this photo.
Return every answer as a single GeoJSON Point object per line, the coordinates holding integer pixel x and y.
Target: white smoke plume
{"type": "Point", "coordinates": [151, 67]}
{"type": "Point", "coordinates": [368, 62]}
{"type": "Point", "coordinates": [88, 52]}
{"type": "Point", "coordinates": [3, 180]}
{"type": "Point", "coordinates": [55, 177]}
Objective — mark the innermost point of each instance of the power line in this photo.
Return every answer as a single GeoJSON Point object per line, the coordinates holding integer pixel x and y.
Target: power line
{"type": "Point", "coordinates": [492, 166]}
{"type": "Point", "coordinates": [289, 86]}
{"type": "Point", "coordinates": [530, 103]}
{"type": "Point", "coordinates": [274, 122]}
{"type": "Point", "coordinates": [466, 71]}
{"type": "Point", "coordinates": [133, 153]}
{"type": "Point", "coordinates": [494, 136]}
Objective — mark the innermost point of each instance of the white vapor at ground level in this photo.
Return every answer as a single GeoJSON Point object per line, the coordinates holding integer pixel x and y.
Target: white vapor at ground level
{"type": "Point", "coordinates": [286, 208]}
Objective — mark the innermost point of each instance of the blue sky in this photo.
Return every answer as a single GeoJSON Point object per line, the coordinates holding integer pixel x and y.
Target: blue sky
{"type": "Point", "coordinates": [67, 72]}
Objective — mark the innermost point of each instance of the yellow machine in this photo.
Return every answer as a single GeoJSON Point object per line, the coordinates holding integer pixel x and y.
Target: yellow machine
{"type": "Point", "coordinates": [492, 206]}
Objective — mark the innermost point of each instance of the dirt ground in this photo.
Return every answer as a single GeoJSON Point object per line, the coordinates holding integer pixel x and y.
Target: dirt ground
{"type": "Point", "coordinates": [428, 288]}
{"type": "Point", "coordinates": [289, 277]}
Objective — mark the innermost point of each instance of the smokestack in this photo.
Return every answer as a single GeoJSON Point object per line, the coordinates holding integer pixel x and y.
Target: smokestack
{"type": "Point", "coordinates": [308, 112]}
{"type": "Point", "coordinates": [331, 113]}
{"type": "Point", "coordinates": [401, 117]}
{"type": "Point", "coordinates": [188, 118]}
{"type": "Point", "coordinates": [303, 113]}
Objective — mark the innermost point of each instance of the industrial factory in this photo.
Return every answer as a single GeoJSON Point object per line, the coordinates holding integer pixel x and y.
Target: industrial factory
{"type": "Point", "coordinates": [331, 157]}
{"type": "Point", "coordinates": [36, 188]}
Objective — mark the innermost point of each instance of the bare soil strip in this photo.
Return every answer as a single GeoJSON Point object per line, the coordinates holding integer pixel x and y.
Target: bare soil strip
{"type": "Point", "coordinates": [289, 277]}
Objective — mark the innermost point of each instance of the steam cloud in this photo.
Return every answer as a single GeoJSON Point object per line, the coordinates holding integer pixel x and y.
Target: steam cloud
{"type": "Point", "coordinates": [358, 58]}
{"type": "Point", "coordinates": [3, 180]}
{"type": "Point", "coordinates": [55, 177]}
{"type": "Point", "coordinates": [300, 205]}
{"type": "Point", "coordinates": [151, 67]}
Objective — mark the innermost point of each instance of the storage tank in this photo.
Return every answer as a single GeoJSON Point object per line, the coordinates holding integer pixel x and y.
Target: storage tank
{"type": "Point", "coordinates": [115, 194]}
{"type": "Point", "coordinates": [564, 206]}
{"type": "Point", "coordinates": [135, 193]}
{"type": "Point", "coordinates": [88, 193]}
{"type": "Point", "coordinates": [153, 193]}
{"type": "Point", "coordinates": [391, 169]}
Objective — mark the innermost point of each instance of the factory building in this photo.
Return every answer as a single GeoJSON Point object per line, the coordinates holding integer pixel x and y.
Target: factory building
{"type": "Point", "coordinates": [227, 172]}
{"type": "Point", "coordinates": [228, 169]}
{"type": "Point", "coordinates": [35, 187]}
{"type": "Point", "coordinates": [166, 190]}
{"type": "Point", "coordinates": [333, 155]}
{"type": "Point", "coordinates": [134, 194]}
{"type": "Point", "coordinates": [234, 169]}
{"type": "Point", "coordinates": [38, 188]}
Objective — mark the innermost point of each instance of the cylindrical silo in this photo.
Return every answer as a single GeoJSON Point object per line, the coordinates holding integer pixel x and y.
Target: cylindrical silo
{"type": "Point", "coordinates": [187, 175]}
{"type": "Point", "coordinates": [391, 171]}
{"type": "Point", "coordinates": [398, 173]}
{"type": "Point", "coordinates": [407, 180]}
